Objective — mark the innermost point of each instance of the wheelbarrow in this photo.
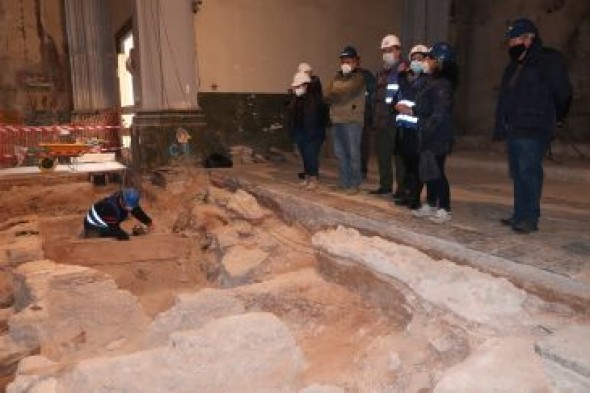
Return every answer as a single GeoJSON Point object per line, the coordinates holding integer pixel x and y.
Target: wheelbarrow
{"type": "Point", "coordinates": [49, 153]}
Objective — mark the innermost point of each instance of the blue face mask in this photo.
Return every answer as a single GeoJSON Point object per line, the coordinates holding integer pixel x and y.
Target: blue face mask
{"type": "Point", "coordinates": [416, 67]}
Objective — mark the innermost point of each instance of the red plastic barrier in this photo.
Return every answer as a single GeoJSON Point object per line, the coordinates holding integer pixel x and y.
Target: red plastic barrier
{"type": "Point", "coordinates": [17, 140]}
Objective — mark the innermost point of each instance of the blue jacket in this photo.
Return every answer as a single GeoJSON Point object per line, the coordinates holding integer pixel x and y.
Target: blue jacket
{"type": "Point", "coordinates": [434, 110]}
{"type": "Point", "coordinates": [534, 95]}
{"type": "Point", "coordinates": [107, 214]}
{"type": "Point", "coordinates": [409, 86]}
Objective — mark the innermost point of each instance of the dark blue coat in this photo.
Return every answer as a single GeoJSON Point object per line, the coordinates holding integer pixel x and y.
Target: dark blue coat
{"type": "Point", "coordinates": [434, 109]}
{"type": "Point", "coordinates": [534, 95]}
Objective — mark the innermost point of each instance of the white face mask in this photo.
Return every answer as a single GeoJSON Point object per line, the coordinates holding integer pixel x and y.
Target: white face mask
{"type": "Point", "coordinates": [299, 91]}
{"type": "Point", "coordinates": [389, 59]}
{"type": "Point", "coordinates": [346, 68]}
{"type": "Point", "coordinates": [426, 67]}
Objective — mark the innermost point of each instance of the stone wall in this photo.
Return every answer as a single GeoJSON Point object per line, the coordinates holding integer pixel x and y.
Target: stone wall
{"type": "Point", "coordinates": [256, 120]}
{"type": "Point", "coordinates": [479, 28]}
{"type": "Point", "coordinates": [35, 78]}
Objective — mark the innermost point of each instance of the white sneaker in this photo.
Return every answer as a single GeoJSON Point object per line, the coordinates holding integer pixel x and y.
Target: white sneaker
{"type": "Point", "coordinates": [424, 211]}
{"type": "Point", "coordinates": [441, 216]}
{"type": "Point", "coordinates": [304, 183]}
{"type": "Point", "coordinates": [312, 184]}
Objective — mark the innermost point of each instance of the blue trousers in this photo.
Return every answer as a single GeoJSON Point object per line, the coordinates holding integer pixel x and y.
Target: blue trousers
{"type": "Point", "coordinates": [347, 148]}
{"type": "Point", "coordinates": [525, 162]}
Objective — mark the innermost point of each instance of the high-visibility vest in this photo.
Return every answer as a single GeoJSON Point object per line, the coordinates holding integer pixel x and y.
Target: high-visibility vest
{"type": "Point", "coordinates": [406, 121]}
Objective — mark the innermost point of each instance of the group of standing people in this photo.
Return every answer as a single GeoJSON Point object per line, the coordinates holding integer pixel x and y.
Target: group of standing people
{"type": "Point", "coordinates": [408, 103]}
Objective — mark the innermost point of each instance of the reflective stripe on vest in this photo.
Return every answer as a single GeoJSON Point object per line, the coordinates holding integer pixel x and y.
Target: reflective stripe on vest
{"type": "Point", "coordinates": [406, 119]}
{"type": "Point", "coordinates": [393, 86]}
{"type": "Point", "coordinates": [94, 219]}
{"type": "Point", "coordinates": [407, 103]}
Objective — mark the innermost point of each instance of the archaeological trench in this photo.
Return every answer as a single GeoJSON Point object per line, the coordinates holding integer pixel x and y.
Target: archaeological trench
{"type": "Point", "coordinates": [233, 294]}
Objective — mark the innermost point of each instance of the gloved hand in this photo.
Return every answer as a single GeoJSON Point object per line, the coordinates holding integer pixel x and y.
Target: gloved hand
{"type": "Point", "coordinates": [139, 230]}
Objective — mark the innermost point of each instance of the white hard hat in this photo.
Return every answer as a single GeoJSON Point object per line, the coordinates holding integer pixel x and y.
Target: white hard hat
{"type": "Point", "coordinates": [390, 40]}
{"type": "Point", "coordinates": [418, 49]}
{"type": "Point", "coordinates": [304, 67]}
{"type": "Point", "coordinates": [300, 78]}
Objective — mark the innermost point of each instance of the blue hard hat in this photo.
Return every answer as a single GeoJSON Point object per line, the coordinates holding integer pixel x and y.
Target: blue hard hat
{"type": "Point", "coordinates": [521, 26]}
{"type": "Point", "coordinates": [349, 51]}
{"type": "Point", "coordinates": [443, 52]}
{"type": "Point", "coordinates": [130, 197]}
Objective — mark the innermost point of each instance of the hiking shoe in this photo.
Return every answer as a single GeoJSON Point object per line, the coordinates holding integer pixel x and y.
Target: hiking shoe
{"type": "Point", "coordinates": [380, 191]}
{"type": "Point", "coordinates": [441, 216]}
{"type": "Point", "coordinates": [424, 211]}
{"type": "Point", "coordinates": [507, 221]}
{"type": "Point", "coordinates": [304, 182]}
{"type": "Point", "coordinates": [312, 184]}
{"type": "Point", "coordinates": [524, 227]}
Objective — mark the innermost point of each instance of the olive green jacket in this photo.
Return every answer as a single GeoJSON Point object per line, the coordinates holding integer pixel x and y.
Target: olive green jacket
{"type": "Point", "coordinates": [346, 96]}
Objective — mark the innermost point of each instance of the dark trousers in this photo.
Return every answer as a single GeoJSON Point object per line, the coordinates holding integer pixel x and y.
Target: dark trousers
{"type": "Point", "coordinates": [412, 183]}
{"type": "Point", "coordinates": [438, 192]}
{"type": "Point", "coordinates": [525, 162]}
{"type": "Point", "coordinates": [365, 151]}
{"type": "Point", "coordinates": [310, 148]}
{"type": "Point", "coordinates": [385, 142]}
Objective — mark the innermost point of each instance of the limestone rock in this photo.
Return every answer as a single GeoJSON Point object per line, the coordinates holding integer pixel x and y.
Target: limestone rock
{"type": "Point", "coordinates": [36, 374]}
{"type": "Point", "coordinates": [240, 264]}
{"type": "Point", "coordinates": [68, 309]}
{"type": "Point", "coordinates": [566, 356]}
{"type": "Point", "coordinates": [322, 389]}
{"type": "Point", "coordinates": [246, 206]}
{"type": "Point", "coordinates": [248, 353]}
{"type": "Point", "coordinates": [506, 365]}
{"type": "Point", "coordinates": [470, 294]}
{"type": "Point", "coordinates": [191, 312]}
{"type": "Point", "coordinates": [6, 296]}
{"type": "Point", "coordinates": [218, 196]}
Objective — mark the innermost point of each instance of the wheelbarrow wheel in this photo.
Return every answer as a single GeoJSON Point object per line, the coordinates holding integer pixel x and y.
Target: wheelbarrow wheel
{"type": "Point", "coordinates": [47, 164]}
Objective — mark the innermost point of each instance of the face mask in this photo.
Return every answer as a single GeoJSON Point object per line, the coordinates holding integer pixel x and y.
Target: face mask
{"type": "Point", "coordinates": [299, 91]}
{"type": "Point", "coordinates": [389, 59]}
{"type": "Point", "coordinates": [425, 67]}
{"type": "Point", "coordinates": [515, 52]}
{"type": "Point", "coordinates": [346, 68]}
{"type": "Point", "coordinates": [416, 67]}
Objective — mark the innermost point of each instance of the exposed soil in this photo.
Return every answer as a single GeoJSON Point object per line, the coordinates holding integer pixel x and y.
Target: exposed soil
{"type": "Point", "coordinates": [355, 330]}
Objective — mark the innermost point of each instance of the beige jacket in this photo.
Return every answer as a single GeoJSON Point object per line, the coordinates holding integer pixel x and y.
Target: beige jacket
{"type": "Point", "coordinates": [346, 96]}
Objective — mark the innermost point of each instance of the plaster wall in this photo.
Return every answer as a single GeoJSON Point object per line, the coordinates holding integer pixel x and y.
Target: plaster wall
{"type": "Point", "coordinates": [254, 46]}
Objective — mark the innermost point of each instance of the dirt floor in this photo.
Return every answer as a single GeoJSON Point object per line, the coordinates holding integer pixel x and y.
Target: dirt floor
{"type": "Point", "coordinates": [354, 332]}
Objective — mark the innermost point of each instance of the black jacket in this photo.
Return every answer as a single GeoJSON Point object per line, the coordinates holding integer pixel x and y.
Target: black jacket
{"type": "Point", "coordinates": [534, 94]}
{"type": "Point", "coordinates": [434, 109]}
{"type": "Point", "coordinates": [308, 115]}
{"type": "Point", "coordinates": [107, 214]}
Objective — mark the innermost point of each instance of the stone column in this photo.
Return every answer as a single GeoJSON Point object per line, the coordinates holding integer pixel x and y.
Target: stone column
{"type": "Point", "coordinates": [166, 42]}
{"type": "Point", "coordinates": [425, 21]}
{"type": "Point", "coordinates": [165, 38]}
{"type": "Point", "coordinates": [92, 55]}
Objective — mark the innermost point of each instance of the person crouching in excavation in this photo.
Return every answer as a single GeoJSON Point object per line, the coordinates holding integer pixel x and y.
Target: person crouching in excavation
{"type": "Point", "coordinates": [307, 123]}
{"type": "Point", "coordinates": [105, 216]}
